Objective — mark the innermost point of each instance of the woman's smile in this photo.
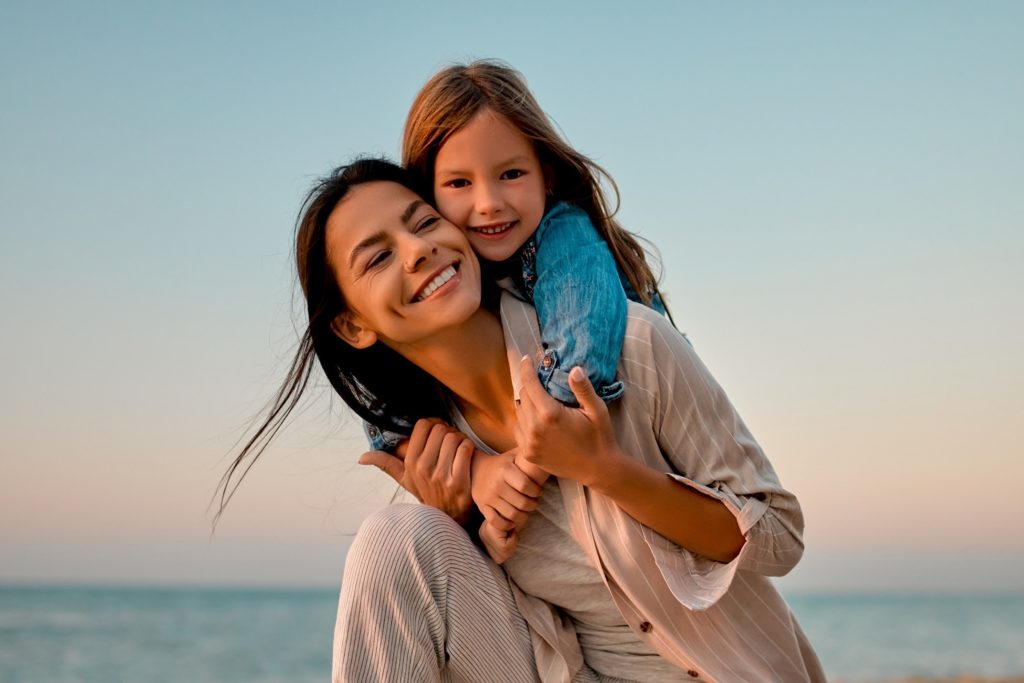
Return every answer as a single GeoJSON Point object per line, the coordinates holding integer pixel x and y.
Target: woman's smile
{"type": "Point", "coordinates": [444, 281]}
{"type": "Point", "coordinates": [394, 256]}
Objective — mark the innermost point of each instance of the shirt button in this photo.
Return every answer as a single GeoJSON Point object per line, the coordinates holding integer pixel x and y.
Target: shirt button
{"type": "Point", "coordinates": [692, 674]}
{"type": "Point", "coordinates": [373, 431]}
{"type": "Point", "coordinates": [547, 362]}
{"type": "Point", "coordinates": [646, 627]}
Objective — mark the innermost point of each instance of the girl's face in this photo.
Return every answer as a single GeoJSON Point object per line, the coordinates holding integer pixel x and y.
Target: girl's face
{"type": "Point", "coordinates": [405, 271]}
{"type": "Point", "coordinates": [489, 182]}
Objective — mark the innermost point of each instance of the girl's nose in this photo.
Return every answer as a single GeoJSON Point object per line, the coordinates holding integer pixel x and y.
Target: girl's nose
{"type": "Point", "coordinates": [488, 199]}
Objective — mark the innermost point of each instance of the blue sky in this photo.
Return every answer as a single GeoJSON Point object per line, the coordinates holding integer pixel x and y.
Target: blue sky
{"type": "Point", "coordinates": [834, 190]}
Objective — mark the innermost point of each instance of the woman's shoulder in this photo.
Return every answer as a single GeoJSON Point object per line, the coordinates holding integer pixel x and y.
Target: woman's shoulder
{"type": "Point", "coordinates": [651, 338]}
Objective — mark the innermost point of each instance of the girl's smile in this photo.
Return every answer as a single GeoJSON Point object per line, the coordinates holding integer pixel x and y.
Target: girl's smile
{"type": "Point", "coordinates": [489, 181]}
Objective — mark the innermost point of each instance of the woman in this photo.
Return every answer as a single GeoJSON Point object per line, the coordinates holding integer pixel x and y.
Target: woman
{"type": "Point", "coordinates": [648, 557]}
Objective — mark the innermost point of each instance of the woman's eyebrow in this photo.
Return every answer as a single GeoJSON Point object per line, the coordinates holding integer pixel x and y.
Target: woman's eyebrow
{"type": "Point", "coordinates": [411, 209]}
{"type": "Point", "coordinates": [364, 245]}
{"type": "Point", "coordinates": [380, 235]}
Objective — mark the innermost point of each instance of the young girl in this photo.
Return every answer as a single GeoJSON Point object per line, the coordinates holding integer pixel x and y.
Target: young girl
{"type": "Point", "coordinates": [534, 211]}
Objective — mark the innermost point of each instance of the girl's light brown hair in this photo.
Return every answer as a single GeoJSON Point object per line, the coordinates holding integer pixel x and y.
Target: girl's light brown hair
{"type": "Point", "coordinates": [454, 95]}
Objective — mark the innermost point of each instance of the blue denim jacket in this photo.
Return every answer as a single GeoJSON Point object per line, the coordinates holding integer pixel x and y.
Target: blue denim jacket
{"type": "Point", "coordinates": [569, 274]}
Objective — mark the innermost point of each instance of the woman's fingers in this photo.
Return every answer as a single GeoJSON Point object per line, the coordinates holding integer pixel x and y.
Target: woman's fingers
{"type": "Point", "coordinates": [462, 461]}
{"type": "Point", "coordinates": [386, 462]}
{"type": "Point", "coordinates": [420, 431]}
{"type": "Point", "coordinates": [427, 458]}
{"type": "Point", "coordinates": [446, 456]}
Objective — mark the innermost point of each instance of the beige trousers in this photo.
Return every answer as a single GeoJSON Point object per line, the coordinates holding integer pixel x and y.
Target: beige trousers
{"type": "Point", "coordinates": [420, 603]}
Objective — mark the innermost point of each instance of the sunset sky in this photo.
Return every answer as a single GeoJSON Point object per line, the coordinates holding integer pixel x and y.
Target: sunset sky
{"type": "Point", "coordinates": [836, 191]}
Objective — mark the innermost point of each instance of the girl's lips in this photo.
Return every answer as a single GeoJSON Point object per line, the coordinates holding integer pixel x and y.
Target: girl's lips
{"type": "Point", "coordinates": [493, 232]}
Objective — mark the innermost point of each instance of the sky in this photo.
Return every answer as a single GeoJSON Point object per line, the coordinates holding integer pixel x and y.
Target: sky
{"type": "Point", "coordinates": [834, 190]}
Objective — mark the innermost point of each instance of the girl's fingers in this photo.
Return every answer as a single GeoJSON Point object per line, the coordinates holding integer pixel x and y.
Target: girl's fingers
{"type": "Point", "coordinates": [495, 519]}
{"type": "Point", "coordinates": [519, 501]}
{"type": "Point", "coordinates": [511, 513]}
{"type": "Point", "coordinates": [522, 482]}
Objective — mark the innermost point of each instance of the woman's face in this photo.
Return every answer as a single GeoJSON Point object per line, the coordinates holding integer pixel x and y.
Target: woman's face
{"type": "Point", "coordinates": [405, 272]}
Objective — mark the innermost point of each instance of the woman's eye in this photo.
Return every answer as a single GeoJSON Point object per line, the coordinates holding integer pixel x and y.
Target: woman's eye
{"type": "Point", "coordinates": [427, 223]}
{"type": "Point", "coordinates": [513, 173]}
{"type": "Point", "coordinates": [378, 258]}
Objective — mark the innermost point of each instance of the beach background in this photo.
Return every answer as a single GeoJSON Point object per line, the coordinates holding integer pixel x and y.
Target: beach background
{"type": "Point", "coordinates": [835, 192]}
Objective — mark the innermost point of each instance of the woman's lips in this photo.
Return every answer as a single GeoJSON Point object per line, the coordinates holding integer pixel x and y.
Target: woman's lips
{"type": "Point", "coordinates": [451, 283]}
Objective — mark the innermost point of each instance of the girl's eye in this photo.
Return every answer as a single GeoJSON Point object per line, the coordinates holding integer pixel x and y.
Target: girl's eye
{"type": "Point", "coordinates": [456, 183]}
{"type": "Point", "coordinates": [513, 173]}
{"type": "Point", "coordinates": [426, 223]}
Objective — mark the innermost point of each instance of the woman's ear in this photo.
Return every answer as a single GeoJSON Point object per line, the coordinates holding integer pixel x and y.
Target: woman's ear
{"type": "Point", "coordinates": [349, 327]}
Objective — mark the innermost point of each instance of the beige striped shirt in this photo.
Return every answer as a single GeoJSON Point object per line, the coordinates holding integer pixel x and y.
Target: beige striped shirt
{"type": "Point", "coordinates": [718, 622]}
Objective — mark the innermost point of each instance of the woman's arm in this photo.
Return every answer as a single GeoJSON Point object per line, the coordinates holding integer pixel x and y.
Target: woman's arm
{"type": "Point", "coordinates": [580, 444]}
{"type": "Point", "coordinates": [433, 465]}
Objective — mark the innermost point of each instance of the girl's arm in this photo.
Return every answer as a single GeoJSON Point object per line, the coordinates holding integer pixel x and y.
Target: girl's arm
{"type": "Point", "coordinates": [574, 284]}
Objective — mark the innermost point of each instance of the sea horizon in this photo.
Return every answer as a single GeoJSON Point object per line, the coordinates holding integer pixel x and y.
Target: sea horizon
{"type": "Point", "coordinates": [206, 633]}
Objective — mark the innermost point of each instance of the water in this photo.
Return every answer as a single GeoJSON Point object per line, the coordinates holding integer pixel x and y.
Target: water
{"type": "Point", "coordinates": [89, 635]}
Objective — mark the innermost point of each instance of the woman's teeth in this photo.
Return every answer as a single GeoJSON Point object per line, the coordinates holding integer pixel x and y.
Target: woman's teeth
{"type": "Point", "coordinates": [442, 277]}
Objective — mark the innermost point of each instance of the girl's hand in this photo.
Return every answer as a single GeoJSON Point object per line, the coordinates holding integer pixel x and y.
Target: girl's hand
{"type": "Point", "coordinates": [504, 493]}
{"type": "Point", "coordinates": [435, 468]}
{"type": "Point", "coordinates": [577, 443]}
{"type": "Point", "coordinates": [500, 545]}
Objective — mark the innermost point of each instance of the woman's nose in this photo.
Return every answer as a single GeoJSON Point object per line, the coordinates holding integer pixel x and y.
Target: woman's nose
{"type": "Point", "coordinates": [417, 252]}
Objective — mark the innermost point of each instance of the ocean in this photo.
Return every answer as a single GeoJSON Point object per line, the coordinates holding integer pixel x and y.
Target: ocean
{"type": "Point", "coordinates": [229, 635]}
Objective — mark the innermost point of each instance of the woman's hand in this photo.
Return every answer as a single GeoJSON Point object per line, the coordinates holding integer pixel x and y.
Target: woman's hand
{"type": "Point", "coordinates": [435, 467]}
{"type": "Point", "coordinates": [504, 493]}
{"type": "Point", "coordinates": [577, 443]}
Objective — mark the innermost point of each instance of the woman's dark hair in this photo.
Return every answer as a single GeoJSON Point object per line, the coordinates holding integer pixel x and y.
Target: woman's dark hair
{"type": "Point", "coordinates": [382, 387]}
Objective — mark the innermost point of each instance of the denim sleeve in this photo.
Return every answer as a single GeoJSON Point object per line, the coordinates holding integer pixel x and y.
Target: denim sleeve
{"type": "Point", "coordinates": [580, 304]}
{"type": "Point", "coordinates": [382, 439]}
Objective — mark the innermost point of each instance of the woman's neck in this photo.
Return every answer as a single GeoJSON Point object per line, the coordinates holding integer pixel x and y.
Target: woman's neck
{"type": "Point", "coordinates": [471, 361]}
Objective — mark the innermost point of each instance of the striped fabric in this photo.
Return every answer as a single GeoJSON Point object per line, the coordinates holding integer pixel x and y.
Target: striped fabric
{"type": "Point", "coordinates": [420, 603]}
{"type": "Point", "coordinates": [718, 622]}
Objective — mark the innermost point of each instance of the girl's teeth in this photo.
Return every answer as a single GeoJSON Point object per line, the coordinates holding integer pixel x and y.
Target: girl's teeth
{"type": "Point", "coordinates": [495, 230]}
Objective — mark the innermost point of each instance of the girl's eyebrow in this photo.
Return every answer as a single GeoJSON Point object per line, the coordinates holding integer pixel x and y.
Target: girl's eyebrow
{"type": "Point", "coordinates": [380, 235]}
{"type": "Point", "coordinates": [520, 159]}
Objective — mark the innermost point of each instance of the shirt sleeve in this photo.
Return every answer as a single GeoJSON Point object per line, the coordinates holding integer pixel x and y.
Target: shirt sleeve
{"type": "Point", "coordinates": [711, 450]}
{"type": "Point", "coordinates": [580, 304]}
